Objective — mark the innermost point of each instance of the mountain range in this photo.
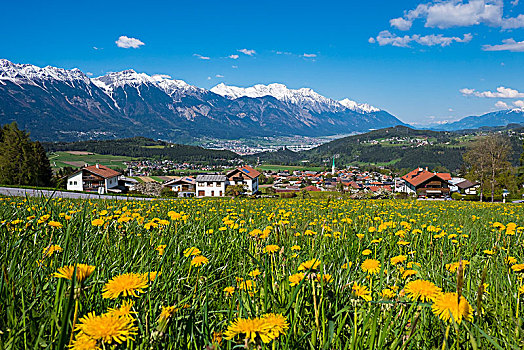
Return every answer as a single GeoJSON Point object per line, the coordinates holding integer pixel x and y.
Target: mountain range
{"type": "Point", "coordinates": [56, 104]}
{"type": "Point", "coordinates": [66, 105]}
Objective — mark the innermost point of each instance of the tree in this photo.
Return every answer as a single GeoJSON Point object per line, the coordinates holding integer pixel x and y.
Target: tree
{"type": "Point", "coordinates": [235, 190]}
{"type": "Point", "coordinates": [22, 162]}
{"type": "Point", "coordinates": [487, 159]}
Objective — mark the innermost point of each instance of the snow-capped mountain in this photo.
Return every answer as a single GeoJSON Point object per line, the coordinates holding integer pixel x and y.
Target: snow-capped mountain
{"type": "Point", "coordinates": [304, 97]}
{"type": "Point", "coordinates": [498, 118]}
{"type": "Point", "coordinates": [59, 104]}
{"type": "Point", "coordinates": [358, 107]}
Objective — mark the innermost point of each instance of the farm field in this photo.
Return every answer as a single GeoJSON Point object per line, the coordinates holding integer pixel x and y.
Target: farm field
{"type": "Point", "coordinates": [77, 159]}
{"type": "Point", "coordinates": [260, 274]}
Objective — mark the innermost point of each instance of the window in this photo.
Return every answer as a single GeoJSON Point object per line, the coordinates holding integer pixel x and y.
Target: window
{"type": "Point", "coordinates": [70, 182]}
{"type": "Point", "coordinates": [75, 182]}
{"type": "Point", "coordinates": [212, 193]}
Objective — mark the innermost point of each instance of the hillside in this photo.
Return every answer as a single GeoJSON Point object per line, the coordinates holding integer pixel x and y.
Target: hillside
{"type": "Point", "coordinates": [141, 147]}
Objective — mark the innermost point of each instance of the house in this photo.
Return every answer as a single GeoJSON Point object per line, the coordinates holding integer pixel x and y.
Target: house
{"type": "Point", "coordinates": [128, 182]}
{"type": "Point", "coordinates": [426, 183]}
{"type": "Point", "coordinates": [211, 185]}
{"type": "Point", "coordinates": [184, 186]}
{"type": "Point", "coordinates": [244, 175]}
{"type": "Point", "coordinates": [468, 187]}
{"type": "Point", "coordinates": [93, 178]}
{"type": "Point", "coordinates": [312, 189]}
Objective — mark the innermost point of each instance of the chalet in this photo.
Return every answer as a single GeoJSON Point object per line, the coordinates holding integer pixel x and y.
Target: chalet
{"type": "Point", "coordinates": [184, 186]}
{"type": "Point", "coordinates": [244, 175]}
{"type": "Point", "coordinates": [211, 185]}
{"type": "Point", "coordinates": [468, 187]}
{"type": "Point", "coordinates": [94, 178]}
{"type": "Point", "coordinates": [426, 183]}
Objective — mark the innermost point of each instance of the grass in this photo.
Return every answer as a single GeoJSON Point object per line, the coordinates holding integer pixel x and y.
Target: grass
{"type": "Point", "coordinates": [65, 159]}
{"type": "Point", "coordinates": [116, 237]}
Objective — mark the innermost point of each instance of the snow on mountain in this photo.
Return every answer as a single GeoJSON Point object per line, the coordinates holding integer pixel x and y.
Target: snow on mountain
{"type": "Point", "coordinates": [304, 97]}
{"type": "Point", "coordinates": [172, 87]}
{"type": "Point", "coordinates": [358, 107]}
{"type": "Point", "coordinates": [33, 75]}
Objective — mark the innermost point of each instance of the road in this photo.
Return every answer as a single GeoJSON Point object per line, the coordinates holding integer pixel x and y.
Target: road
{"type": "Point", "coordinates": [22, 192]}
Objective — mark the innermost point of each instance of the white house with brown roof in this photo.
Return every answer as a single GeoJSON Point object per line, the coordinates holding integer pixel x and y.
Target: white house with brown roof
{"type": "Point", "coordinates": [211, 185]}
{"type": "Point", "coordinates": [184, 186]}
{"type": "Point", "coordinates": [244, 175]}
{"type": "Point", "coordinates": [94, 178]}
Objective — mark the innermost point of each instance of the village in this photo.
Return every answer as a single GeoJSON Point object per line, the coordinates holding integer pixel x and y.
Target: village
{"type": "Point", "coordinates": [248, 181]}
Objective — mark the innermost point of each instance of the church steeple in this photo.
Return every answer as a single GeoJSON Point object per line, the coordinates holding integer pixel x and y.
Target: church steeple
{"type": "Point", "coordinates": [333, 167]}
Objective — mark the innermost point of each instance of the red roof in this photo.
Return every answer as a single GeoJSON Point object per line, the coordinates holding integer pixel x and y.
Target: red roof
{"type": "Point", "coordinates": [247, 170]}
{"type": "Point", "coordinates": [419, 175]}
{"type": "Point", "coordinates": [102, 171]}
{"type": "Point", "coordinates": [312, 188]}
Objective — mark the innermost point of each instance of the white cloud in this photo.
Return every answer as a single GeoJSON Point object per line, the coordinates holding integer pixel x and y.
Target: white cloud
{"type": "Point", "coordinates": [513, 22]}
{"type": "Point", "coordinates": [219, 76]}
{"type": "Point", "coordinates": [233, 56]}
{"type": "Point", "coordinates": [234, 67]}
{"type": "Point", "coordinates": [126, 42]}
{"type": "Point", "coordinates": [309, 55]}
{"type": "Point", "coordinates": [515, 2]}
{"type": "Point", "coordinates": [459, 13]}
{"type": "Point", "coordinates": [161, 76]}
{"type": "Point", "coordinates": [97, 48]}
{"type": "Point", "coordinates": [508, 45]}
{"type": "Point", "coordinates": [208, 78]}
{"type": "Point", "coordinates": [247, 52]}
{"type": "Point", "coordinates": [387, 38]}
{"type": "Point", "coordinates": [401, 23]}
{"type": "Point", "coordinates": [89, 74]}
{"type": "Point", "coordinates": [201, 57]}
{"type": "Point", "coordinates": [372, 40]}
{"type": "Point", "coordinates": [502, 92]}
{"type": "Point", "coordinates": [519, 103]}
{"type": "Point", "coordinates": [501, 105]}
{"type": "Point", "coordinates": [455, 13]}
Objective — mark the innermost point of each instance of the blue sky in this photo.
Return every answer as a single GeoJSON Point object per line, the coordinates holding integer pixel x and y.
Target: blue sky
{"type": "Point", "coordinates": [423, 61]}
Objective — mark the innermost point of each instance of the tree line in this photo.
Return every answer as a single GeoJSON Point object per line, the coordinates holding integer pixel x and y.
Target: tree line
{"type": "Point", "coordinates": [22, 161]}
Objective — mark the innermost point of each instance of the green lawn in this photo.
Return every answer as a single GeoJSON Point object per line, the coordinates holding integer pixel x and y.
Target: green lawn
{"type": "Point", "coordinates": [64, 159]}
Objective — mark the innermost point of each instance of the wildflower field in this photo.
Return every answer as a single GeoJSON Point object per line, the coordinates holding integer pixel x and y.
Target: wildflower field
{"type": "Point", "coordinates": [260, 274]}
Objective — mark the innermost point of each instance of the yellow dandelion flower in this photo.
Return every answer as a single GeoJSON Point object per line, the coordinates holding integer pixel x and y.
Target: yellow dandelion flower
{"type": "Point", "coordinates": [399, 259]}
{"type": "Point", "coordinates": [229, 290]}
{"type": "Point", "coordinates": [84, 342]}
{"type": "Point", "coordinates": [249, 330]}
{"type": "Point", "coordinates": [278, 324]}
{"type": "Point", "coordinates": [272, 248]}
{"type": "Point", "coordinates": [310, 264]}
{"type": "Point", "coordinates": [388, 293]}
{"type": "Point", "coordinates": [255, 273]}
{"type": "Point", "coordinates": [326, 278]}
{"type": "Point", "coordinates": [366, 252]}
{"type": "Point", "coordinates": [408, 273]}
{"type": "Point", "coordinates": [97, 222]}
{"type": "Point", "coordinates": [295, 247]}
{"type": "Point", "coordinates": [347, 265]}
{"type": "Point", "coordinates": [107, 328]}
{"type": "Point", "coordinates": [448, 308]}
{"type": "Point", "coordinates": [198, 261]}
{"type": "Point", "coordinates": [160, 249]}
{"type": "Point", "coordinates": [191, 251]}
{"type": "Point", "coordinates": [422, 289]}
{"type": "Point", "coordinates": [128, 284]}
{"type": "Point", "coordinates": [454, 266]}
{"type": "Point", "coordinates": [125, 310]}
{"type": "Point", "coordinates": [362, 292]}
{"type": "Point", "coordinates": [295, 279]}
{"type": "Point", "coordinates": [83, 271]}
{"type": "Point", "coordinates": [518, 267]}
{"type": "Point", "coordinates": [510, 260]}
{"type": "Point", "coordinates": [55, 224]}
{"type": "Point", "coordinates": [50, 250]}
{"type": "Point", "coordinates": [371, 266]}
